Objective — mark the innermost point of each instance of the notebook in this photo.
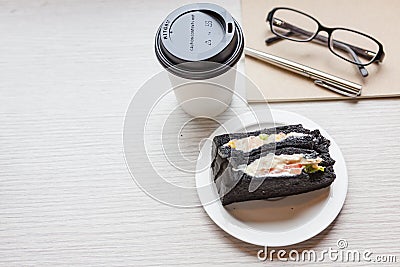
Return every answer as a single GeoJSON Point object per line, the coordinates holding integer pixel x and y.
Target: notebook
{"type": "Point", "coordinates": [379, 19]}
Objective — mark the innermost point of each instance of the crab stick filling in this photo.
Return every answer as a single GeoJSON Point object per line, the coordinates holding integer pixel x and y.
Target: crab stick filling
{"type": "Point", "coordinates": [283, 165]}
{"type": "Point", "coordinates": [247, 144]}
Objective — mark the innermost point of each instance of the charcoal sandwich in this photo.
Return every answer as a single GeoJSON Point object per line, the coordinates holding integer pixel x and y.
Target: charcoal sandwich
{"type": "Point", "coordinates": [291, 165]}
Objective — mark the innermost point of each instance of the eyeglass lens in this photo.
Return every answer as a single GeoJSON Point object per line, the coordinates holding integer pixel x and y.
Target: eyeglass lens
{"type": "Point", "coordinates": [302, 27]}
{"type": "Point", "coordinates": [339, 44]}
{"type": "Point", "coordinates": [296, 26]}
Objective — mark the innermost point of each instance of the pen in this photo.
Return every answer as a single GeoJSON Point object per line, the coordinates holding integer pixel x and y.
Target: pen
{"type": "Point", "coordinates": [323, 79]}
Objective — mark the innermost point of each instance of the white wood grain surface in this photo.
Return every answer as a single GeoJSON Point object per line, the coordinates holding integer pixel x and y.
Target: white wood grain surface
{"type": "Point", "coordinates": [68, 70]}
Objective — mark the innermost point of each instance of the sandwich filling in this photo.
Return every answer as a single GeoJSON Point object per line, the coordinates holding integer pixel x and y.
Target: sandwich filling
{"type": "Point", "coordinates": [247, 144]}
{"type": "Point", "coordinates": [283, 165]}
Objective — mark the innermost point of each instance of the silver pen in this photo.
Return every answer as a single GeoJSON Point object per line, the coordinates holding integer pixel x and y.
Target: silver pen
{"type": "Point", "coordinates": [323, 79]}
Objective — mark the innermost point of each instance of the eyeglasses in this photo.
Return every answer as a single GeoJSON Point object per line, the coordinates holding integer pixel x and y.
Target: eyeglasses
{"type": "Point", "coordinates": [355, 47]}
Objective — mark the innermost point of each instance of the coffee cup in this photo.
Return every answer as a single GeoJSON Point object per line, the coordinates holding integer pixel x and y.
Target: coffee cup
{"type": "Point", "coordinates": [199, 45]}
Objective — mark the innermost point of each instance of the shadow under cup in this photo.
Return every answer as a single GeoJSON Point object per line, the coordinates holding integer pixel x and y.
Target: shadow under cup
{"type": "Point", "coordinates": [199, 45]}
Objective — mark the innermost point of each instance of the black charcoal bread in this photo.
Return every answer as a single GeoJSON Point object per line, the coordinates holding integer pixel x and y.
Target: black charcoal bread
{"type": "Point", "coordinates": [279, 186]}
{"type": "Point", "coordinates": [233, 184]}
{"type": "Point", "coordinates": [310, 140]}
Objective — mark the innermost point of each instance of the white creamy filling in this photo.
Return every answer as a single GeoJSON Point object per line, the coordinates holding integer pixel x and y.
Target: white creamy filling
{"type": "Point", "coordinates": [279, 165]}
{"type": "Point", "coordinates": [247, 144]}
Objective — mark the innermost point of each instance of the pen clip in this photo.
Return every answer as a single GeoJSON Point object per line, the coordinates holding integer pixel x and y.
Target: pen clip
{"type": "Point", "coordinates": [350, 92]}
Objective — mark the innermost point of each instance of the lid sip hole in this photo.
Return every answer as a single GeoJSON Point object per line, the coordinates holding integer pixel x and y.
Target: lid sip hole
{"type": "Point", "coordinates": [230, 27]}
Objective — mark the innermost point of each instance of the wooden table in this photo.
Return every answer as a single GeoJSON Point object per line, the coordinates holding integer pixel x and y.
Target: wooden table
{"type": "Point", "coordinates": [68, 72]}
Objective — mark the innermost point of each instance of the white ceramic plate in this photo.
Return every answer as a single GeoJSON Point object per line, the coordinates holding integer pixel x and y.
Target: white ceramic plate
{"type": "Point", "coordinates": [280, 222]}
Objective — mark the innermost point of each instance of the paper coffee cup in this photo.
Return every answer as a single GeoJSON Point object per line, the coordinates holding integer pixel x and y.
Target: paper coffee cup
{"type": "Point", "coordinates": [199, 45]}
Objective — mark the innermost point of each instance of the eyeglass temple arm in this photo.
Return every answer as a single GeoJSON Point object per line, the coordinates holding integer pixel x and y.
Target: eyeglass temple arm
{"type": "Point", "coordinates": [277, 38]}
{"type": "Point", "coordinates": [359, 51]}
{"type": "Point", "coordinates": [361, 68]}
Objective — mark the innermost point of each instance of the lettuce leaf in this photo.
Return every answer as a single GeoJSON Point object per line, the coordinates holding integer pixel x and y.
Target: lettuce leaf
{"type": "Point", "coordinates": [310, 169]}
{"type": "Point", "coordinates": [263, 136]}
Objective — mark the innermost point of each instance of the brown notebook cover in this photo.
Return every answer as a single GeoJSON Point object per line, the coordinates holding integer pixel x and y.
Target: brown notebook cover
{"type": "Point", "coordinates": [379, 19]}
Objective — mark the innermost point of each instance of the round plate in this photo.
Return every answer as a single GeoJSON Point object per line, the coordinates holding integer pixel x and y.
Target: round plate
{"type": "Point", "coordinates": [278, 222]}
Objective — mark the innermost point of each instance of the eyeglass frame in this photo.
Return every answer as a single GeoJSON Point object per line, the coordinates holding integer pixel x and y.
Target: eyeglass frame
{"type": "Point", "coordinates": [379, 56]}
